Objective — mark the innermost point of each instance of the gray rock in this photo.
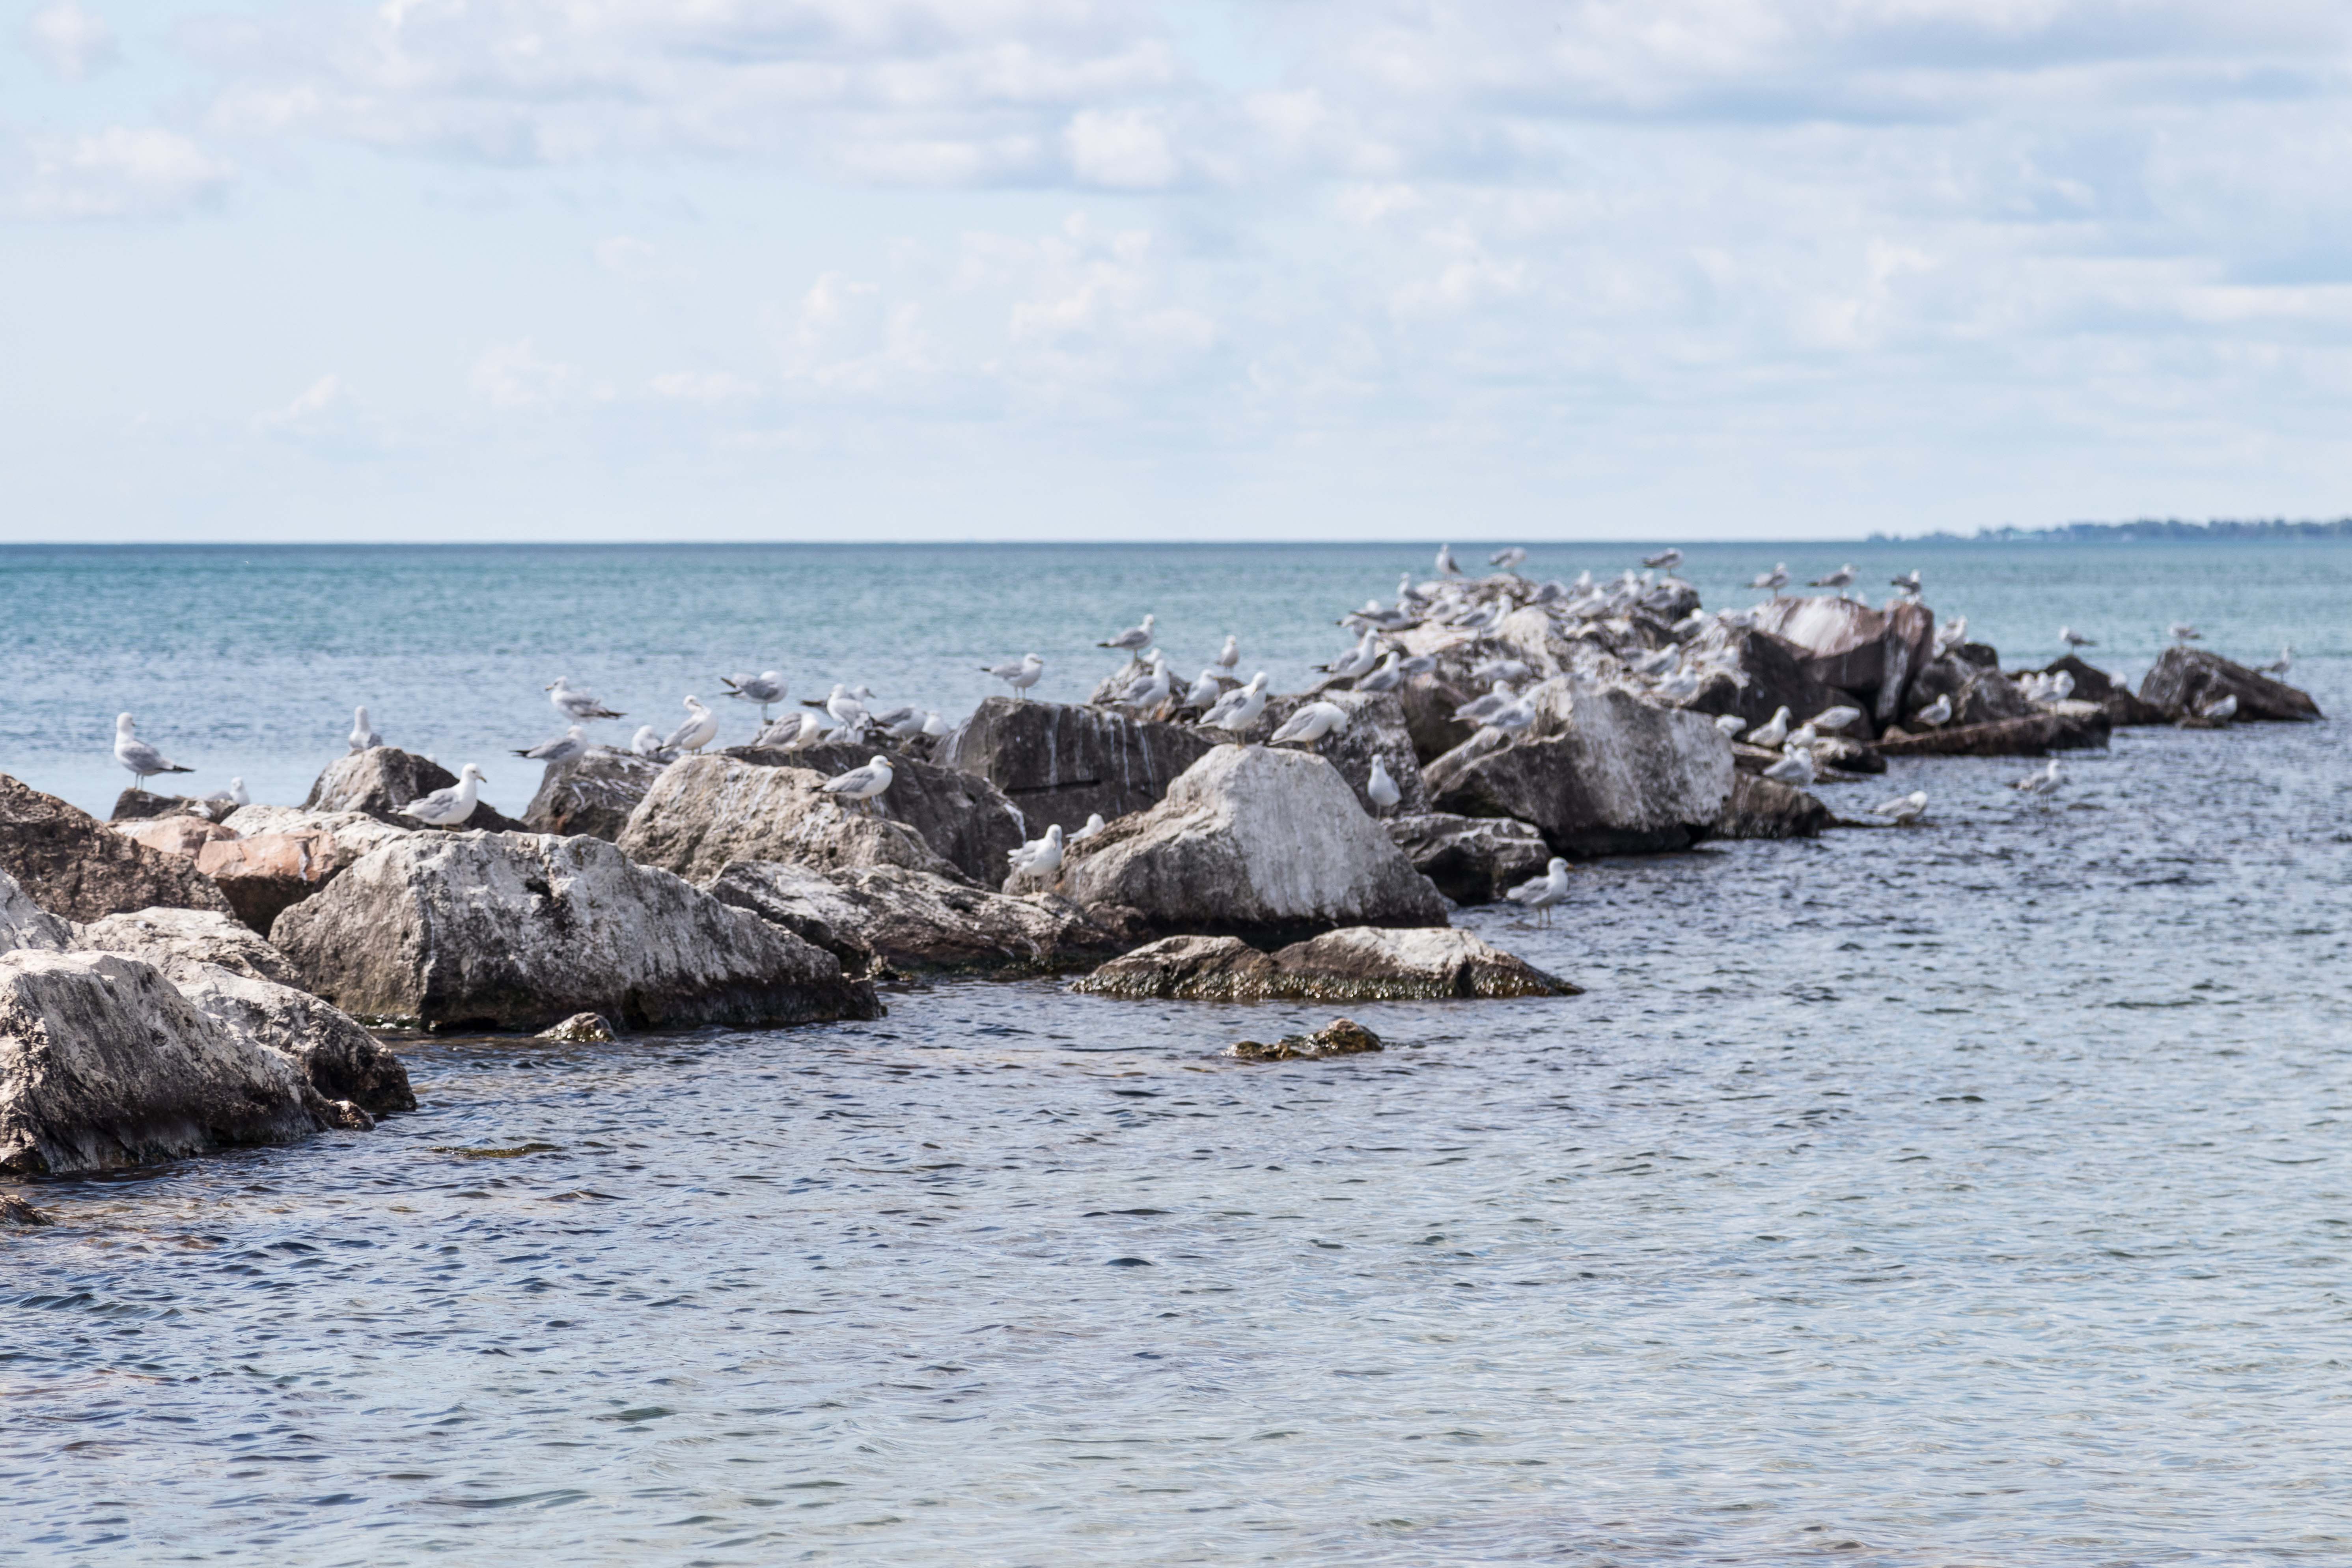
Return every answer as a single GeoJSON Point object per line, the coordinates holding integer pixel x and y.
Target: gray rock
{"type": "Point", "coordinates": [1980, 694]}
{"type": "Point", "coordinates": [581, 1029]}
{"type": "Point", "coordinates": [378, 781]}
{"type": "Point", "coordinates": [1250, 839]}
{"type": "Point", "coordinates": [72, 864]}
{"type": "Point", "coordinates": [104, 1064]}
{"type": "Point", "coordinates": [2186, 681]}
{"type": "Point", "coordinates": [966, 820]}
{"type": "Point", "coordinates": [1060, 764]}
{"type": "Point", "coordinates": [592, 794]}
{"type": "Point", "coordinates": [1339, 1037]}
{"type": "Point", "coordinates": [1763, 674]}
{"type": "Point", "coordinates": [518, 930]}
{"type": "Point", "coordinates": [25, 924]}
{"type": "Point", "coordinates": [913, 921]}
{"type": "Point", "coordinates": [1473, 859]}
{"type": "Point", "coordinates": [166, 938]}
{"type": "Point", "coordinates": [1608, 775]}
{"type": "Point", "coordinates": [136, 805]}
{"type": "Point", "coordinates": [1360, 963]}
{"type": "Point", "coordinates": [2092, 684]}
{"type": "Point", "coordinates": [283, 855]}
{"type": "Point", "coordinates": [1849, 645]}
{"type": "Point", "coordinates": [1376, 728]}
{"type": "Point", "coordinates": [703, 812]}
{"type": "Point", "coordinates": [2054, 727]}
{"type": "Point", "coordinates": [1767, 808]}
{"type": "Point", "coordinates": [175, 835]}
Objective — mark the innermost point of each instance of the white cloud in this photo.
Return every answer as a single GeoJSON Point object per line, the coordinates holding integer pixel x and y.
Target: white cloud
{"type": "Point", "coordinates": [710, 387]}
{"type": "Point", "coordinates": [70, 41]}
{"type": "Point", "coordinates": [120, 172]}
{"type": "Point", "coordinates": [328, 419]}
{"type": "Point", "coordinates": [516, 375]}
{"type": "Point", "coordinates": [1125, 150]}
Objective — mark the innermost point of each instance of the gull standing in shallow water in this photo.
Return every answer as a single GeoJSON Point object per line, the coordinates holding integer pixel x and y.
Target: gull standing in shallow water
{"type": "Point", "coordinates": [1903, 808]}
{"type": "Point", "coordinates": [143, 759]}
{"type": "Point", "coordinates": [2041, 783]}
{"type": "Point", "coordinates": [562, 749]}
{"type": "Point", "coordinates": [449, 807]}
{"type": "Point", "coordinates": [1542, 892]}
{"type": "Point", "coordinates": [362, 737]}
{"type": "Point", "coordinates": [1020, 674]}
{"type": "Point", "coordinates": [700, 728]}
{"type": "Point", "coordinates": [861, 784]}
{"type": "Point", "coordinates": [577, 703]}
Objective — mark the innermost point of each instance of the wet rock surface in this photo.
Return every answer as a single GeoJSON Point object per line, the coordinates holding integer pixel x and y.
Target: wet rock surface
{"type": "Point", "coordinates": [1252, 839]}
{"type": "Point", "coordinates": [74, 866]}
{"type": "Point", "coordinates": [592, 794]}
{"type": "Point", "coordinates": [2056, 727]}
{"type": "Point", "coordinates": [1472, 860]}
{"type": "Point", "coordinates": [581, 1029]}
{"type": "Point", "coordinates": [519, 931]}
{"type": "Point", "coordinates": [1059, 762]}
{"type": "Point", "coordinates": [1339, 1037]}
{"type": "Point", "coordinates": [1361, 963]}
{"type": "Point", "coordinates": [2185, 681]}
{"type": "Point", "coordinates": [878, 917]}
{"type": "Point", "coordinates": [1767, 808]}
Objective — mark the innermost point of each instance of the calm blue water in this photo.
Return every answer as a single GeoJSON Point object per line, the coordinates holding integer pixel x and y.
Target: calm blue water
{"type": "Point", "coordinates": [1975, 1194]}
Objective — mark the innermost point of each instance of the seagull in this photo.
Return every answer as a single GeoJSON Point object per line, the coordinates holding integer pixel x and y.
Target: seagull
{"type": "Point", "coordinates": [143, 759]}
{"type": "Point", "coordinates": [1514, 718]}
{"type": "Point", "coordinates": [792, 732]}
{"type": "Point", "coordinates": [1542, 893]}
{"type": "Point", "coordinates": [933, 725]}
{"type": "Point", "coordinates": [1728, 725]}
{"type": "Point", "coordinates": [449, 807]}
{"type": "Point", "coordinates": [647, 743]}
{"type": "Point", "coordinates": [1508, 558]}
{"type": "Point", "coordinates": [364, 736]}
{"type": "Point", "coordinates": [1040, 856]}
{"type": "Point", "coordinates": [1665, 560]}
{"type": "Point", "coordinates": [1387, 677]}
{"type": "Point", "coordinates": [577, 703]}
{"type": "Point", "coordinates": [766, 688]}
{"type": "Point", "coordinates": [1903, 808]}
{"type": "Point", "coordinates": [1496, 669]}
{"type": "Point", "coordinates": [1951, 634]}
{"type": "Point", "coordinates": [700, 727]}
{"type": "Point", "coordinates": [1311, 724]}
{"type": "Point", "coordinates": [2043, 782]}
{"type": "Point", "coordinates": [1230, 654]}
{"type": "Point", "coordinates": [846, 710]}
{"type": "Point", "coordinates": [1658, 661]}
{"type": "Point", "coordinates": [231, 798]}
{"type": "Point", "coordinates": [1776, 579]}
{"type": "Point", "coordinates": [2225, 709]}
{"type": "Point", "coordinates": [861, 784]}
{"type": "Point", "coordinates": [1382, 788]}
{"type": "Point", "coordinates": [2281, 665]}
{"type": "Point", "coordinates": [2183, 632]}
{"type": "Point", "coordinates": [1478, 709]}
{"type": "Point", "coordinates": [1094, 826]}
{"type": "Point", "coordinates": [1795, 768]}
{"type": "Point", "coordinates": [1148, 693]}
{"type": "Point", "coordinates": [1133, 639]}
{"type": "Point", "coordinates": [1837, 579]}
{"type": "Point", "coordinates": [901, 725]}
{"type": "Point", "coordinates": [1419, 664]}
{"type": "Point", "coordinates": [1239, 708]}
{"type": "Point", "coordinates": [1908, 582]}
{"type": "Point", "coordinates": [1358, 659]}
{"type": "Point", "coordinates": [562, 749]}
{"type": "Point", "coordinates": [1936, 714]}
{"type": "Point", "coordinates": [1835, 719]}
{"type": "Point", "coordinates": [2074, 639]}
{"type": "Point", "coordinates": [1770, 732]}
{"type": "Point", "coordinates": [1203, 694]}
{"type": "Point", "coordinates": [1446, 565]}
{"type": "Point", "coordinates": [1020, 674]}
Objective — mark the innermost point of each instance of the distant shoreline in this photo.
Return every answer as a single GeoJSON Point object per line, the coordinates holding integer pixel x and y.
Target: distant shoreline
{"type": "Point", "coordinates": [2125, 533]}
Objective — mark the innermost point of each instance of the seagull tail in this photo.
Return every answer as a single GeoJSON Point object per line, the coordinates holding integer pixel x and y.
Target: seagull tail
{"type": "Point", "coordinates": [176, 768]}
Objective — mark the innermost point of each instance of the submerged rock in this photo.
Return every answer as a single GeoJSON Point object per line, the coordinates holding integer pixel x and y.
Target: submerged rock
{"type": "Point", "coordinates": [581, 1029]}
{"type": "Point", "coordinates": [703, 812]}
{"type": "Point", "coordinates": [104, 1064]}
{"type": "Point", "coordinates": [592, 793]}
{"type": "Point", "coordinates": [908, 920]}
{"type": "Point", "coordinates": [2185, 681]}
{"type": "Point", "coordinates": [1473, 859]}
{"type": "Point", "coordinates": [1059, 764]}
{"type": "Point", "coordinates": [1339, 1037]}
{"type": "Point", "coordinates": [1361, 963]}
{"type": "Point", "coordinates": [517, 930]}
{"type": "Point", "coordinates": [72, 864]}
{"type": "Point", "coordinates": [1250, 839]}
{"type": "Point", "coordinates": [1766, 808]}
{"type": "Point", "coordinates": [378, 781]}
{"type": "Point", "coordinates": [1617, 777]}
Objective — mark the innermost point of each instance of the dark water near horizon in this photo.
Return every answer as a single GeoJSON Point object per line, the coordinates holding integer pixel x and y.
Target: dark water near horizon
{"type": "Point", "coordinates": [1977, 1194]}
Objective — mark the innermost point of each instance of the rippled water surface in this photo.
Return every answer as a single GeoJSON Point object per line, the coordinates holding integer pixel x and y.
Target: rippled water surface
{"type": "Point", "coordinates": [1975, 1193]}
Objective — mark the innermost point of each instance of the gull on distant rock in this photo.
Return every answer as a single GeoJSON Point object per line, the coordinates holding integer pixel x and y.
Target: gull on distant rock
{"type": "Point", "coordinates": [1936, 714]}
{"type": "Point", "coordinates": [1833, 719]}
{"type": "Point", "coordinates": [224, 801]}
{"type": "Point", "coordinates": [1020, 674]}
{"type": "Point", "coordinates": [2224, 709]}
{"type": "Point", "coordinates": [1837, 579]}
{"type": "Point", "coordinates": [766, 688]}
{"type": "Point", "coordinates": [1770, 732]}
{"type": "Point", "coordinates": [2075, 639]}
{"type": "Point", "coordinates": [1094, 826]}
{"type": "Point", "coordinates": [700, 728]}
{"type": "Point", "coordinates": [1228, 656]}
{"type": "Point", "coordinates": [1132, 639]}
{"type": "Point", "coordinates": [861, 784]}
{"type": "Point", "coordinates": [2183, 632]}
{"type": "Point", "coordinates": [1728, 725]}
{"type": "Point", "coordinates": [1794, 768]}
{"type": "Point", "coordinates": [1239, 708]}
{"type": "Point", "coordinates": [1666, 560]}
{"type": "Point", "coordinates": [143, 759]}
{"type": "Point", "coordinates": [577, 703]}
{"type": "Point", "coordinates": [362, 737]}
{"type": "Point", "coordinates": [1508, 558]}
{"type": "Point", "coordinates": [1387, 677]}
{"type": "Point", "coordinates": [562, 749]}
{"type": "Point", "coordinates": [1381, 788]}
{"type": "Point", "coordinates": [1908, 582]}
{"type": "Point", "coordinates": [1039, 856]}
{"type": "Point", "coordinates": [1311, 724]}
{"type": "Point", "coordinates": [2281, 665]}
{"type": "Point", "coordinates": [647, 743]}
{"type": "Point", "coordinates": [449, 807]}
{"type": "Point", "coordinates": [1776, 579]}
{"type": "Point", "coordinates": [1446, 565]}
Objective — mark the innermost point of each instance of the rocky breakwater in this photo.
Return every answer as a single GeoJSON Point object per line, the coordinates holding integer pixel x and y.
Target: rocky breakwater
{"type": "Point", "coordinates": [492, 930]}
{"type": "Point", "coordinates": [1376, 732]}
{"type": "Point", "coordinates": [1360, 963]}
{"type": "Point", "coordinates": [73, 865]}
{"type": "Point", "coordinates": [1249, 839]}
{"type": "Point", "coordinates": [1599, 772]}
{"type": "Point", "coordinates": [1472, 860]}
{"type": "Point", "coordinates": [381, 780]}
{"type": "Point", "coordinates": [1850, 646]}
{"type": "Point", "coordinates": [882, 919]}
{"type": "Point", "coordinates": [592, 794]}
{"type": "Point", "coordinates": [1059, 764]}
{"type": "Point", "coordinates": [2187, 681]}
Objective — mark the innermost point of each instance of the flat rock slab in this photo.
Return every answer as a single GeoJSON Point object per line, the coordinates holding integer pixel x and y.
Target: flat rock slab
{"type": "Point", "coordinates": [518, 930]}
{"type": "Point", "coordinates": [915, 920]}
{"type": "Point", "coordinates": [1060, 764]}
{"type": "Point", "coordinates": [2186, 681]}
{"type": "Point", "coordinates": [74, 866]}
{"type": "Point", "coordinates": [1361, 963]}
{"type": "Point", "coordinates": [2065, 726]}
{"type": "Point", "coordinates": [105, 1065]}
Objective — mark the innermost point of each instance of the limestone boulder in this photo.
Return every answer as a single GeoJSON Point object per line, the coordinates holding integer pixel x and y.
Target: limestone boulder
{"type": "Point", "coordinates": [1758, 674]}
{"type": "Point", "coordinates": [1361, 963]}
{"type": "Point", "coordinates": [378, 781]}
{"type": "Point", "coordinates": [25, 924]}
{"type": "Point", "coordinates": [1766, 808]}
{"type": "Point", "coordinates": [1473, 859]}
{"type": "Point", "coordinates": [1252, 839]}
{"type": "Point", "coordinates": [2184, 681]}
{"type": "Point", "coordinates": [104, 1065]}
{"type": "Point", "coordinates": [495, 930]}
{"type": "Point", "coordinates": [179, 835]}
{"type": "Point", "coordinates": [169, 939]}
{"type": "Point", "coordinates": [592, 794]}
{"type": "Point", "coordinates": [1604, 774]}
{"type": "Point", "coordinates": [966, 820]}
{"type": "Point", "coordinates": [886, 916]}
{"type": "Point", "coordinates": [1060, 764]}
{"type": "Point", "coordinates": [72, 864]}
{"type": "Point", "coordinates": [703, 812]}
{"type": "Point", "coordinates": [1376, 728]}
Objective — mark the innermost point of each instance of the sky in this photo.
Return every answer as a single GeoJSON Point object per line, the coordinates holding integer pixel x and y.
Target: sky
{"type": "Point", "coordinates": [778, 269]}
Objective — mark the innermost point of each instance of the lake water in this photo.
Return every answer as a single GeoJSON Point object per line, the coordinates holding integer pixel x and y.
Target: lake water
{"type": "Point", "coordinates": [1970, 1194]}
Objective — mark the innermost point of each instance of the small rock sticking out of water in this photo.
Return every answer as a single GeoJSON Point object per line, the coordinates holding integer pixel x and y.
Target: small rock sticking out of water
{"type": "Point", "coordinates": [17, 1211]}
{"type": "Point", "coordinates": [1339, 1037]}
{"type": "Point", "coordinates": [581, 1029]}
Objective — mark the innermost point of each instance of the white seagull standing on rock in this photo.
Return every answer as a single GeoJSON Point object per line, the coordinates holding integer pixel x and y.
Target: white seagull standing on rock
{"type": "Point", "coordinates": [577, 703]}
{"type": "Point", "coordinates": [2225, 709]}
{"type": "Point", "coordinates": [1382, 788]}
{"type": "Point", "coordinates": [861, 784]}
{"type": "Point", "coordinates": [449, 807]}
{"type": "Point", "coordinates": [1728, 725]}
{"type": "Point", "coordinates": [1020, 674]}
{"type": "Point", "coordinates": [2183, 632]}
{"type": "Point", "coordinates": [1133, 639]}
{"type": "Point", "coordinates": [701, 727]}
{"type": "Point", "coordinates": [1666, 560]}
{"type": "Point", "coordinates": [1508, 558]}
{"type": "Point", "coordinates": [1311, 724]}
{"type": "Point", "coordinates": [1908, 582]}
{"type": "Point", "coordinates": [1446, 565]}
{"type": "Point", "coordinates": [1936, 714]}
{"type": "Point", "coordinates": [647, 743]}
{"type": "Point", "coordinates": [1542, 892]}
{"type": "Point", "coordinates": [1837, 579]}
{"type": "Point", "coordinates": [1387, 677]}
{"type": "Point", "coordinates": [2281, 665]}
{"type": "Point", "coordinates": [1094, 826]}
{"type": "Point", "coordinates": [1239, 708]}
{"type": "Point", "coordinates": [1903, 808]}
{"type": "Point", "coordinates": [1795, 768]}
{"type": "Point", "coordinates": [143, 759]}
{"type": "Point", "coordinates": [1776, 579]}
{"type": "Point", "coordinates": [1230, 655]}
{"type": "Point", "coordinates": [1041, 856]}
{"type": "Point", "coordinates": [362, 737]}
{"type": "Point", "coordinates": [1833, 719]}
{"type": "Point", "coordinates": [1203, 693]}
{"type": "Point", "coordinates": [1770, 732]}
{"type": "Point", "coordinates": [562, 749]}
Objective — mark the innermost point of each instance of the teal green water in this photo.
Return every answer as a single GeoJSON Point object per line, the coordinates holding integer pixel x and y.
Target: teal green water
{"type": "Point", "coordinates": [1971, 1195]}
